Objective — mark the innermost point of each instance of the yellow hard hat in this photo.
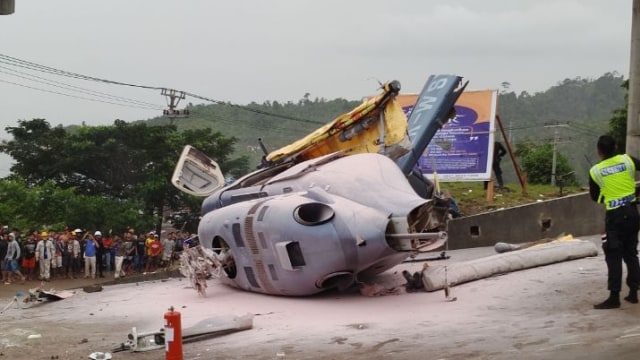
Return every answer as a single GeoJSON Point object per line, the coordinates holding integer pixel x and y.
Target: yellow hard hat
{"type": "Point", "coordinates": [44, 233]}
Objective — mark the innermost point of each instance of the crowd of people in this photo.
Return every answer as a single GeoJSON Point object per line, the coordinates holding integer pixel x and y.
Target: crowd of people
{"type": "Point", "coordinates": [70, 254]}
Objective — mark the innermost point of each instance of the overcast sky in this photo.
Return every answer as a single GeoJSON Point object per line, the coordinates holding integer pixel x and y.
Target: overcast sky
{"type": "Point", "coordinates": [257, 50]}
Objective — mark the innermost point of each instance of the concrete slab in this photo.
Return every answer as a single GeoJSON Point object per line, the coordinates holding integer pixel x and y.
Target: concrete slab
{"type": "Point", "coordinates": [540, 313]}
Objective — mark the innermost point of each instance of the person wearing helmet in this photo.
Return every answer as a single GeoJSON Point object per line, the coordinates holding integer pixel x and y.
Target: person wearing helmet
{"type": "Point", "coordinates": [90, 252]}
{"type": "Point", "coordinates": [44, 253]}
{"type": "Point", "coordinates": [73, 247]}
{"type": "Point", "coordinates": [100, 250]}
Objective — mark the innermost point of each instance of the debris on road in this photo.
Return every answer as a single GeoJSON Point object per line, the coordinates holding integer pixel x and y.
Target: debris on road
{"type": "Point", "coordinates": [205, 329]}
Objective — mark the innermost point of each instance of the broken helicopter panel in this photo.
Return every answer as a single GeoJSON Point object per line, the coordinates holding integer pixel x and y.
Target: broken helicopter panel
{"type": "Point", "coordinates": [337, 206]}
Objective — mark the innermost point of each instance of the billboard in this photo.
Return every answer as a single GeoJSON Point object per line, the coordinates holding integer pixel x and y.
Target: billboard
{"type": "Point", "coordinates": [461, 149]}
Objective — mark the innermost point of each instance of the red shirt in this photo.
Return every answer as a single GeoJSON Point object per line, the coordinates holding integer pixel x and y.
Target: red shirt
{"type": "Point", "coordinates": [155, 248]}
{"type": "Point", "coordinates": [107, 242]}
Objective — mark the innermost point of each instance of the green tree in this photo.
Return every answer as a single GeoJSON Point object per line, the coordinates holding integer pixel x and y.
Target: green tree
{"type": "Point", "coordinates": [38, 149]}
{"type": "Point", "coordinates": [125, 162]}
{"type": "Point", "coordinates": [537, 161]}
{"type": "Point", "coordinates": [47, 206]}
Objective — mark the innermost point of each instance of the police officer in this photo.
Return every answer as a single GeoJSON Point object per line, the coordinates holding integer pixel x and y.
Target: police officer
{"type": "Point", "coordinates": [612, 182]}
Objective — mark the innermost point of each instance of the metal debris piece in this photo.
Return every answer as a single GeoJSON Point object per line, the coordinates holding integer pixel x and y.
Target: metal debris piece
{"type": "Point", "coordinates": [199, 264]}
{"type": "Point", "coordinates": [92, 288]}
{"type": "Point", "coordinates": [204, 329]}
{"type": "Point", "coordinates": [37, 296]}
{"type": "Point", "coordinates": [100, 356]}
{"type": "Point", "coordinates": [377, 290]}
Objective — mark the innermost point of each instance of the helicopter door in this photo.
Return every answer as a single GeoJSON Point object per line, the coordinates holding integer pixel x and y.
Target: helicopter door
{"type": "Point", "coordinates": [196, 174]}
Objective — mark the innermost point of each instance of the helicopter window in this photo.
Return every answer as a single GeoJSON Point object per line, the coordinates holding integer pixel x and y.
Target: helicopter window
{"type": "Point", "coordinates": [263, 210]}
{"type": "Point", "coordinates": [237, 235]}
{"type": "Point", "coordinates": [287, 189]}
{"type": "Point", "coordinates": [272, 270]}
{"type": "Point", "coordinates": [251, 276]}
{"type": "Point", "coordinates": [263, 241]}
{"type": "Point", "coordinates": [295, 254]}
{"type": "Point", "coordinates": [236, 198]}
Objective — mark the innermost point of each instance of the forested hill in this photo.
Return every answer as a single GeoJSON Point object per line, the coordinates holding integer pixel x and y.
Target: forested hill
{"type": "Point", "coordinates": [573, 113]}
{"type": "Point", "coordinates": [582, 108]}
{"type": "Point", "coordinates": [248, 123]}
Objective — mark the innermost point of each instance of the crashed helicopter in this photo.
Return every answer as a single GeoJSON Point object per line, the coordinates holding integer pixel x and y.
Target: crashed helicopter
{"type": "Point", "coordinates": [337, 206]}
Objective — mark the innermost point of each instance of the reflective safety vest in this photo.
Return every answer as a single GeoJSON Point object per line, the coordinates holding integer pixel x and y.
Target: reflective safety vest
{"type": "Point", "coordinates": [615, 176]}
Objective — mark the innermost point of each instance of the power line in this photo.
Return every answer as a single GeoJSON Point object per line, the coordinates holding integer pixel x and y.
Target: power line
{"type": "Point", "coordinates": [582, 129]}
{"type": "Point", "coordinates": [37, 67]}
{"type": "Point", "coordinates": [74, 96]}
{"type": "Point", "coordinates": [77, 88]}
{"type": "Point", "coordinates": [290, 130]}
{"type": "Point", "coordinates": [525, 127]}
{"type": "Point", "coordinates": [261, 112]}
{"type": "Point", "coordinates": [9, 60]}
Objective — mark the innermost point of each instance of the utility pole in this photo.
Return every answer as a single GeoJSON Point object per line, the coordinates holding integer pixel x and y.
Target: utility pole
{"type": "Point", "coordinates": [633, 109]}
{"type": "Point", "coordinates": [556, 141]}
{"type": "Point", "coordinates": [556, 138]}
{"type": "Point", "coordinates": [174, 98]}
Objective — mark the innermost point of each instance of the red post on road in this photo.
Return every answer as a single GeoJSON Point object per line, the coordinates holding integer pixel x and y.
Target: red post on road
{"type": "Point", "coordinates": [173, 335]}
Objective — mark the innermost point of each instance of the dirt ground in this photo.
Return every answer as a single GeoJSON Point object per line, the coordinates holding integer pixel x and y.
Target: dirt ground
{"type": "Point", "coordinates": [65, 340]}
{"type": "Point", "coordinates": [540, 313]}
{"type": "Point", "coordinates": [7, 291]}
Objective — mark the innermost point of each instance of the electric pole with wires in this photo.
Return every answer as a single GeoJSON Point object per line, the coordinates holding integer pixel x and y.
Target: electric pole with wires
{"type": "Point", "coordinates": [173, 99]}
{"type": "Point", "coordinates": [556, 141]}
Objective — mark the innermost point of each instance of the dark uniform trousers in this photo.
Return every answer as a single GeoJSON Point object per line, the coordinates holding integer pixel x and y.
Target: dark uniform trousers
{"type": "Point", "coordinates": [621, 226]}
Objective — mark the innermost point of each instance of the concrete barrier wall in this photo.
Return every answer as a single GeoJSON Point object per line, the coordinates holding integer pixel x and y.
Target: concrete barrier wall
{"type": "Point", "coordinates": [574, 214]}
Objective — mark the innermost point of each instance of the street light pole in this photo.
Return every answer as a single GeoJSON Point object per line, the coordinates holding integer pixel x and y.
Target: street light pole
{"type": "Point", "coordinates": [553, 162]}
{"type": "Point", "coordinates": [633, 109]}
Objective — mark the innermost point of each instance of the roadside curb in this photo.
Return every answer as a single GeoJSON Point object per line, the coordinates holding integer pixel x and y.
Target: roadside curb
{"type": "Point", "coordinates": [135, 278]}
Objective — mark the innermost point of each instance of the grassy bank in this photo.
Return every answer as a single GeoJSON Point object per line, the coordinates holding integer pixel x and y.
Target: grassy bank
{"type": "Point", "coordinates": [472, 198]}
